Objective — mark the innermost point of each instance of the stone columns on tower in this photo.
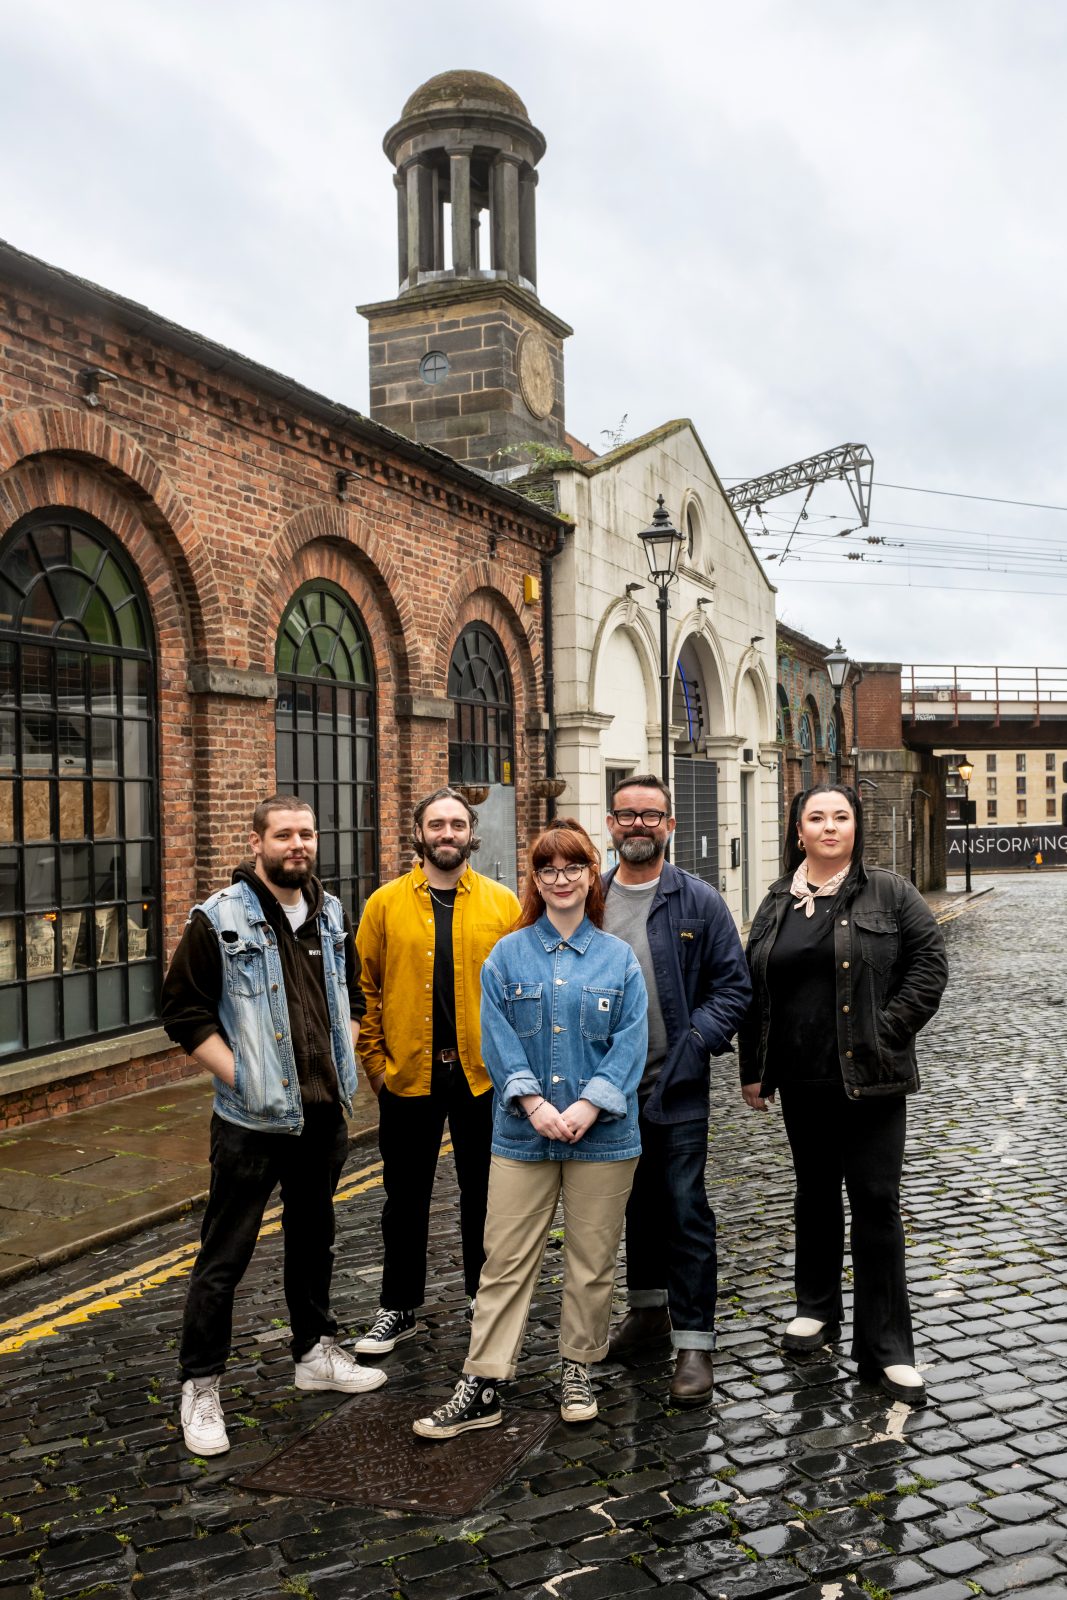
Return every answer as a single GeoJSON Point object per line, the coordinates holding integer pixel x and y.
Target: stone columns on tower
{"type": "Point", "coordinates": [528, 225]}
{"type": "Point", "coordinates": [460, 183]}
{"type": "Point", "coordinates": [505, 213]}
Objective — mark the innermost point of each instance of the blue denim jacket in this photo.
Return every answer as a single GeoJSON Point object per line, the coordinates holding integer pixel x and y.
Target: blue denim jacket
{"type": "Point", "coordinates": [566, 1019]}
{"type": "Point", "coordinates": [254, 1012]}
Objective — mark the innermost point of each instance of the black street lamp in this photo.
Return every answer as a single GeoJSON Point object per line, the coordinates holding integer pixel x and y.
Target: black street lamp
{"type": "Point", "coordinates": [965, 769]}
{"type": "Point", "coordinates": [663, 548]}
{"type": "Point", "coordinates": [837, 671]}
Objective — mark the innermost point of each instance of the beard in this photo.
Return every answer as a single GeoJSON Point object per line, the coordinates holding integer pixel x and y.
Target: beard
{"type": "Point", "coordinates": [446, 857]}
{"type": "Point", "coordinates": [639, 849]}
{"type": "Point", "coordinates": [287, 877]}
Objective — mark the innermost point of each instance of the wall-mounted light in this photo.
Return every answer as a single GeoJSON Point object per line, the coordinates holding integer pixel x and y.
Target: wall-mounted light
{"type": "Point", "coordinates": [706, 600]}
{"type": "Point", "coordinates": [757, 638]}
{"type": "Point", "coordinates": [632, 588]}
{"type": "Point", "coordinates": [492, 544]}
{"type": "Point", "coordinates": [343, 478]}
{"type": "Point", "coordinates": [90, 379]}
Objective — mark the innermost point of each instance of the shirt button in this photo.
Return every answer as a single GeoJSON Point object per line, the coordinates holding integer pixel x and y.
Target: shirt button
{"type": "Point", "coordinates": [278, 1036]}
{"type": "Point", "coordinates": [556, 1078]}
{"type": "Point", "coordinates": [274, 988]}
{"type": "Point", "coordinates": [848, 1055]}
{"type": "Point", "coordinates": [559, 981]}
{"type": "Point", "coordinates": [844, 1008]}
{"type": "Point", "coordinates": [557, 1029]}
{"type": "Point", "coordinates": [844, 922]}
{"type": "Point", "coordinates": [844, 966]}
{"type": "Point", "coordinates": [285, 1083]}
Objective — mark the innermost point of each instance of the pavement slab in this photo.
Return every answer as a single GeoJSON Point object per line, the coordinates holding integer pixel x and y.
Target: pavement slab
{"type": "Point", "coordinates": [798, 1481]}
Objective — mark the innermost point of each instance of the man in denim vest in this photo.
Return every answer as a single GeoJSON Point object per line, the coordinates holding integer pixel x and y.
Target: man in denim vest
{"type": "Point", "coordinates": [264, 993]}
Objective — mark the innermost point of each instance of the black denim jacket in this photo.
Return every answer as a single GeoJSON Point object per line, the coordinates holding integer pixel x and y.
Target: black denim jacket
{"type": "Point", "coordinates": [891, 973]}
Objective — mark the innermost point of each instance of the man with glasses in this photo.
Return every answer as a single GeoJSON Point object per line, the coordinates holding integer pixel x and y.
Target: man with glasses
{"type": "Point", "coordinates": [421, 941]}
{"type": "Point", "coordinates": [698, 991]}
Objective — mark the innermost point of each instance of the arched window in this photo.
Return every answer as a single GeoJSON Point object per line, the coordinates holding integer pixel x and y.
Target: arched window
{"type": "Point", "coordinates": [806, 741]}
{"type": "Point", "coordinates": [481, 739]}
{"type": "Point", "coordinates": [326, 729]}
{"type": "Point", "coordinates": [79, 862]}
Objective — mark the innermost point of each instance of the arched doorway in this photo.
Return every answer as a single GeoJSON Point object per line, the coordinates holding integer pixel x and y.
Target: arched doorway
{"type": "Point", "coordinates": [481, 742]}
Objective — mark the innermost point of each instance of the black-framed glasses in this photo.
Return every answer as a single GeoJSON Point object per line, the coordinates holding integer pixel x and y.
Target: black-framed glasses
{"type": "Point", "coordinates": [572, 872]}
{"type": "Point", "coordinates": [651, 819]}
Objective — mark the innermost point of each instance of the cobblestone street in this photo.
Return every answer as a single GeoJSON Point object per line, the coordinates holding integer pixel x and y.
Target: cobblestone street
{"type": "Point", "coordinates": [798, 1480]}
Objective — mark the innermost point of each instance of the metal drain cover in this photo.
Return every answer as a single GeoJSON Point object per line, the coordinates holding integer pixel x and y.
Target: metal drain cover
{"type": "Point", "coordinates": [366, 1454]}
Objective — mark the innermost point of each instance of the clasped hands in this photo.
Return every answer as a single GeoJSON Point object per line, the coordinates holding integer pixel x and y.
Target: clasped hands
{"type": "Point", "coordinates": [568, 1126]}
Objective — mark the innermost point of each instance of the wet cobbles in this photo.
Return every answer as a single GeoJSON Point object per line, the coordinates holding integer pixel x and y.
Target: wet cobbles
{"type": "Point", "coordinates": [798, 1481]}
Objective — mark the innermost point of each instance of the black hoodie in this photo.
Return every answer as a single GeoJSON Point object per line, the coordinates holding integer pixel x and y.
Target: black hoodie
{"type": "Point", "coordinates": [192, 988]}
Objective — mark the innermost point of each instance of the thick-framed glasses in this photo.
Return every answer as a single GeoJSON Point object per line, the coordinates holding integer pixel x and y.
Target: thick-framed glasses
{"type": "Point", "coordinates": [627, 818]}
{"type": "Point", "coordinates": [550, 875]}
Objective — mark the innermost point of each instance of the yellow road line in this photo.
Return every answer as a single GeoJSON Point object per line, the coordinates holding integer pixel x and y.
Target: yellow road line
{"type": "Point", "coordinates": [46, 1320]}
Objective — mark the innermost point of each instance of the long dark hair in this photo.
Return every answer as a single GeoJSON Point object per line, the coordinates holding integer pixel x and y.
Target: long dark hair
{"type": "Point", "coordinates": [792, 854]}
{"type": "Point", "coordinates": [566, 838]}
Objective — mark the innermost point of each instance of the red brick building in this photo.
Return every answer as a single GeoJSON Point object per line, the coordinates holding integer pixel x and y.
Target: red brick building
{"type": "Point", "coordinates": [215, 582]}
{"type": "Point", "coordinates": [815, 737]}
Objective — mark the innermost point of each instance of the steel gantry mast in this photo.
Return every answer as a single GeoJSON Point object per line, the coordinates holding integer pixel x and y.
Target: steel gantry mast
{"type": "Point", "coordinates": [852, 463]}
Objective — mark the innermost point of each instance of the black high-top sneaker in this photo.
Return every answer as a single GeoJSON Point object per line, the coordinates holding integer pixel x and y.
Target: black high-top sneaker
{"type": "Point", "coordinates": [475, 1404]}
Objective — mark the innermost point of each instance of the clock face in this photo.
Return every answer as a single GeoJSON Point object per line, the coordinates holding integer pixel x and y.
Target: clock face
{"type": "Point", "coordinates": [537, 381]}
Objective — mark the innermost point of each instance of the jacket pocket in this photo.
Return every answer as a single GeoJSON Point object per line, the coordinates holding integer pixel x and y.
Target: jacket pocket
{"type": "Point", "coordinates": [609, 1133]}
{"type": "Point", "coordinates": [523, 1001]}
{"type": "Point", "coordinates": [601, 1009]}
{"type": "Point", "coordinates": [245, 967]}
{"type": "Point", "coordinates": [879, 938]}
{"type": "Point", "coordinates": [339, 958]}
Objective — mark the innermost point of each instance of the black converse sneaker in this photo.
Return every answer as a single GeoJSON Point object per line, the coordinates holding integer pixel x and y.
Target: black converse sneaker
{"type": "Point", "coordinates": [475, 1404]}
{"type": "Point", "coordinates": [577, 1400]}
{"type": "Point", "coordinates": [386, 1331]}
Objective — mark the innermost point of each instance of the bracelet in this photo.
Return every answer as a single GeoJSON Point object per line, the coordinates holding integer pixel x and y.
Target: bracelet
{"type": "Point", "coordinates": [537, 1107]}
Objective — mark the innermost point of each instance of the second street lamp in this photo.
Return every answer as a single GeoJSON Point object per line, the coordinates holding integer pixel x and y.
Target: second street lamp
{"type": "Point", "coordinates": [965, 769]}
{"type": "Point", "coordinates": [663, 548]}
{"type": "Point", "coordinates": [837, 671]}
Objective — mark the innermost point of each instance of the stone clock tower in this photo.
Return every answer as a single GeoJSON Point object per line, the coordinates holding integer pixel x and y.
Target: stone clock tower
{"type": "Point", "coordinates": [466, 358]}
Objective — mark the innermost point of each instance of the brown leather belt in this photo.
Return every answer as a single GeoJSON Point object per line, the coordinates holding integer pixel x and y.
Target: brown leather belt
{"type": "Point", "coordinates": [446, 1057]}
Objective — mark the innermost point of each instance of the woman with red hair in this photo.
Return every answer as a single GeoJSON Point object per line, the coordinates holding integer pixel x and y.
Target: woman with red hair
{"type": "Point", "coordinates": [564, 1035]}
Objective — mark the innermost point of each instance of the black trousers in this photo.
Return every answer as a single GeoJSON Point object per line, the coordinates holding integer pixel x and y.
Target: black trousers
{"type": "Point", "coordinates": [245, 1167]}
{"type": "Point", "coordinates": [859, 1143]}
{"type": "Point", "coordinates": [670, 1230]}
{"type": "Point", "coordinates": [410, 1128]}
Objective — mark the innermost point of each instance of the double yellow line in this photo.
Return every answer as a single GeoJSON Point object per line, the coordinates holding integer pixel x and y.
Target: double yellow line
{"type": "Point", "coordinates": [44, 1321]}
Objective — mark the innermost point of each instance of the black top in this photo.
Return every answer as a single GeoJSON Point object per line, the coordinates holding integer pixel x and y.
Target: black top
{"type": "Point", "coordinates": [444, 971]}
{"type": "Point", "coordinates": [802, 985]}
{"type": "Point", "coordinates": [192, 988]}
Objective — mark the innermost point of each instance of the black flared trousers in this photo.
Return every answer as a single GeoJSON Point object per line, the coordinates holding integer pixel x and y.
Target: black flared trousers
{"type": "Point", "coordinates": [858, 1144]}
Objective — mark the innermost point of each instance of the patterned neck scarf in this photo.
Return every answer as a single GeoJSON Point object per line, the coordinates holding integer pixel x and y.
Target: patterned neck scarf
{"type": "Point", "coordinates": [806, 896]}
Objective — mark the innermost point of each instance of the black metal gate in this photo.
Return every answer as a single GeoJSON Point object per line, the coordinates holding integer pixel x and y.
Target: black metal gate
{"type": "Point", "coordinates": [695, 846]}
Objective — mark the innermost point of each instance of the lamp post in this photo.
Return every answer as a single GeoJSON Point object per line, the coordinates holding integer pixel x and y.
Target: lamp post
{"type": "Point", "coordinates": [966, 770]}
{"type": "Point", "coordinates": [837, 671]}
{"type": "Point", "coordinates": [663, 547]}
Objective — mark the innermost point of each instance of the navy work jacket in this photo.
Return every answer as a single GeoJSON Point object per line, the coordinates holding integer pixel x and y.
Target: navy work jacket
{"type": "Point", "coordinates": [703, 985]}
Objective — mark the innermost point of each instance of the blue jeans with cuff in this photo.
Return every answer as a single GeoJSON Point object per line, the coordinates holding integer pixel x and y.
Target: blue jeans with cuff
{"type": "Point", "coordinates": [671, 1257]}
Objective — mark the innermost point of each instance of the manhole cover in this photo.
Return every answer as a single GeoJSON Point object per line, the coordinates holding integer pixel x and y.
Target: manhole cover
{"type": "Point", "coordinates": [366, 1454]}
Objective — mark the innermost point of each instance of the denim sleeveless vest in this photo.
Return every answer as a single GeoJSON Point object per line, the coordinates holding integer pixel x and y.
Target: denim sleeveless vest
{"type": "Point", "coordinates": [254, 1014]}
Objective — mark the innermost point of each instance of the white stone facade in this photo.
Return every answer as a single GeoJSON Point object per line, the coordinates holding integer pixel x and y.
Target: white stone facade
{"type": "Point", "coordinates": [606, 653]}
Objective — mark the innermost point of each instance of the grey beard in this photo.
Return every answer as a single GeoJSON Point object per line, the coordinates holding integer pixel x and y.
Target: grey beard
{"type": "Point", "coordinates": [639, 851]}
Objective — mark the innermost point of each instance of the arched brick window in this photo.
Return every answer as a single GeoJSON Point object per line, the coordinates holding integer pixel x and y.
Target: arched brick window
{"type": "Point", "coordinates": [806, 741]}
{"type": "Point", "coordinates": [79, 803]}
{"type": "Point", "coordinates": [327, 734]}
{"type": "Point", "coordinates": [481, 737]}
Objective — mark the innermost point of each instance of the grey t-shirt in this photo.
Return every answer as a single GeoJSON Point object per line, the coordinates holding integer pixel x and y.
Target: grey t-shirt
{"type": "Point", "coordinates": [626, 916]}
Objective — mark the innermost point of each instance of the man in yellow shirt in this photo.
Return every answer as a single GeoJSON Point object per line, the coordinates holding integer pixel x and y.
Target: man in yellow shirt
{"type": "Point", "coordinates": [421, 941]}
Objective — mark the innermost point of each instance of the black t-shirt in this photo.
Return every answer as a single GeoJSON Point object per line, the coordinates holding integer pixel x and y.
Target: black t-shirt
{"type": "Point", "coordinates": [802, 983]}
{"type": "Point", "coordinates": [444, 971]}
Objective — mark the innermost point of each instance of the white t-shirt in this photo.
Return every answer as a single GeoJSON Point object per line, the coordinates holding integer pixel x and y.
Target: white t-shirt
{"type": "Point", "coordinates": [297, 914]}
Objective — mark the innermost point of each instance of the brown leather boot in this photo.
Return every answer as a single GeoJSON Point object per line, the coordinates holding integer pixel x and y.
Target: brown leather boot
{"type": "Point", "coordinates": [640, 1329]}
{"type": "Point", "coordinates": [693, 1383]}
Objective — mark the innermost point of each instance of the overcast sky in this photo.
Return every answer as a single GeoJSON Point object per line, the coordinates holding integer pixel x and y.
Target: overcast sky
{"type": "Point", "coordinates": [798, 222]}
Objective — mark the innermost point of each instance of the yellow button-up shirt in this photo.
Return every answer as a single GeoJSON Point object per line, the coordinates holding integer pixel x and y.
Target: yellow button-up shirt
{"type": "Point", "coordinates": [396, 945]}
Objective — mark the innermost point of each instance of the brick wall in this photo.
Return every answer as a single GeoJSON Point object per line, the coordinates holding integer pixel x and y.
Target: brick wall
{"type": "Point", "coordinates": [804, 687]}
{"type": "Point", "coordinates": [225, 496]}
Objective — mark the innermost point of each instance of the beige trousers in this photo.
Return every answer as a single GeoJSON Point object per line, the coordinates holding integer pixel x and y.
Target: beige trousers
{"type": "Point", "coordinates": [522, 1204]}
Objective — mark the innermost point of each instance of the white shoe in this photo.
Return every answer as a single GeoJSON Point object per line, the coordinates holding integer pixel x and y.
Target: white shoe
{"type": "Point", "coordinates": [203, 1424]}
{"type": "Point", "coordinates": [805, 1333]}
{"type": "Point", "coordinates": [904, 1383]}
{"type": "Point", "coordinates": [327, 1366]}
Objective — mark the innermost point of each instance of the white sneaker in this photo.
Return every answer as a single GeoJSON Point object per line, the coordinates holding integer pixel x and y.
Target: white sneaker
{"type": "Point", "coordinates": [327, 1366]}
{"type": "Point", "coordinates": [203, 1424]}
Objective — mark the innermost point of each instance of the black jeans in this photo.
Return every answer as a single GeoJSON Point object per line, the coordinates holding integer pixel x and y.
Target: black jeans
{"type": "Point", "coordinates": [860, 1143]}
{"type": "Point", "coordinates": [410, 1128]}
{"type": "Point", "coordinates": [245, 1166]}
{"type": "Point", "coordinates": [670, 1231]}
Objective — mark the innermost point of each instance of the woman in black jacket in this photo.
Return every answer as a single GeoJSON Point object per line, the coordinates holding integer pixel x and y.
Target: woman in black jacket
{"type": "Point", "coordinates": [847, 965]}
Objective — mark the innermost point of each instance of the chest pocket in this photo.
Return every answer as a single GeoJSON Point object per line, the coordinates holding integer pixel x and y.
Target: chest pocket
{"type": "Point", "coordinates": [485, 936]}
{"type": "Point", "coordinates": [601, 1009]}
{"type": "Point", "coordinates": [523, 1001]}
{"type": "Point", "coordinates": [245, 966]}
{"type": "Point", "coordinates": [690, 940]}
{"type": "Point", "coordinates": [879, 938]}
{"type": "Point", "coordinates": [338, 942]}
